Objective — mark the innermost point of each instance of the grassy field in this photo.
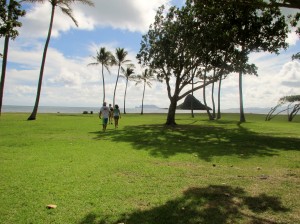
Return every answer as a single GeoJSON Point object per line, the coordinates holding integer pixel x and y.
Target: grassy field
{"type": "Point", "coordinates": [145, 173]}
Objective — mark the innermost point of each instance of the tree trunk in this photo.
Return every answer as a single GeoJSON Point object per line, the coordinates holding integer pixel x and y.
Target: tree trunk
{"type": "Point", "coordinates": [142, 111]}
{"type": "Point", "coordinates": [219, 98]}
{"type": "Point", "coordinates": [172, 111]}
{"type": "Point", "coordinates": [116, 85]}
{"type": "Point", "coordinates": [103, 84]}
{"type": "Point", "coordinates": [204, 97]}
{"type": "Point", "coordinates": [242, 115]}
{"type": "Point", "coordinates": [36, 105]}
{"type": "Point", "coordinates": [294, 112]}
{"type": "Point", "coordinates": [4, 63]}
{"type": "Point", "coordinates": [212, 95]}
{"type": "Point", "coordinates": [125, 94]}
{"type": "Point", "coordinates": [192, 101]}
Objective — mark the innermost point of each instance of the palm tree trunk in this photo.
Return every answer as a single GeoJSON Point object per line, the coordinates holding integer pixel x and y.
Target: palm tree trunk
{"type": "Point", "coordinates": [36, 105]}
{"type": "Point", "coordinates": [242, 115]}
{"type": "Point", "coordinates": [4, 63]}
{"type": "Point", "coordinates": [125, 94]}
{"type": "Point", "coordinates": [142, 112]}
{"type": "Point", "coordinates": [103, 83]}
{"type": "Point", "coordinates": [219, 98]}
{"type": "Point", "coordinates": [116, 85]}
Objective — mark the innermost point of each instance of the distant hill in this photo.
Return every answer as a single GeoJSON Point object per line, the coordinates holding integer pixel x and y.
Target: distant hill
{"type": "Point", "coordinates": [187, 104]}
{"type": "Point", "coordinates": [148, 106]}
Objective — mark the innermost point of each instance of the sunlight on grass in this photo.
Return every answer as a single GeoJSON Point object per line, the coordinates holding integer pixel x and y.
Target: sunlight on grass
{"type": "Point", "coordinates": [144, 172]}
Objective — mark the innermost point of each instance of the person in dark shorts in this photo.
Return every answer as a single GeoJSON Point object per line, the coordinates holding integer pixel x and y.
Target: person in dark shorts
{"type": "Point", "coordinates": [117, 115]}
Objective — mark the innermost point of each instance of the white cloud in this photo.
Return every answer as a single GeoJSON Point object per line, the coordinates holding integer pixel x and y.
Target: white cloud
{"type": "Point", "coordinates": [68, 81]}
{"type": "Point", "coordinates": [293, 37]}
{"type": "Point", "coordinates": [129, 15]}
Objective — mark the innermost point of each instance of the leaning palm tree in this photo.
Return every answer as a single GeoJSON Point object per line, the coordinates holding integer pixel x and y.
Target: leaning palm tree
{"type": "Point", "coordinates": [127, 74]}
{"type": "Point", "coordinates": [65, 7]}
{"type": "Point", "coordinates": [106, 59]}
{"type": "Point", "coordinates": [120, 57]}
{"type": "Point", "coordinates": [146, 77]}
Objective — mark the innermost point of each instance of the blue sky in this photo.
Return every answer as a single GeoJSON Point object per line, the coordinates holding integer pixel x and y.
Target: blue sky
{"type": "Point", "coordinates": [68, 81]}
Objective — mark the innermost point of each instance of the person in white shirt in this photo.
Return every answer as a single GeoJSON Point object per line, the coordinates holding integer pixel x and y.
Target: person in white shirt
{"type": "Point", "coordinates": [104, 113]}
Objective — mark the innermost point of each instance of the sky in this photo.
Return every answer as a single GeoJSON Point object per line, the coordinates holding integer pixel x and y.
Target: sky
{"type": "Point", "coordinates": [68, 81]}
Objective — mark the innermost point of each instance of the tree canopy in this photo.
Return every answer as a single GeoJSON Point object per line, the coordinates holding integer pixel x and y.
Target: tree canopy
{"type": "Point", "coordinates": [9, 18]}
{"type": "Point", "coordinates": [191, 41]}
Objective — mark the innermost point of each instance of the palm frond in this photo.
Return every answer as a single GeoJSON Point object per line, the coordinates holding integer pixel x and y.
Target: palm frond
{"type": "Point", "coordinates": [85, 2]}
{"type": "Point", "coordinates": [33, 1]}
{"type": "Point", "coordinates": [93, 63]}
{"type": "Point", "coordinates": [128, 71]}
{"type": "Point", "coordinates": [121, 56]}
{"type": "Point", "coordinates": [67, 10]}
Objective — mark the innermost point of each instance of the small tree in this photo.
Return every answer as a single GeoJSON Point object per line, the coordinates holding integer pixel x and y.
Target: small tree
{"type": "Point", "coordinates": [145, 78]}
{"type": "Point", "coordinates": [120, 59]}
{"type": "Point", "coordinates": [105, 59]}
{"type": "Point", "coordinates": [128, 76]}
{"type": "Point", "coordinates": [292, 107]}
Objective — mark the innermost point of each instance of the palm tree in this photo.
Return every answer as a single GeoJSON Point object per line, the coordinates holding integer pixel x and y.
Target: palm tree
{"type": "Point", "coordinates": [120, 60]}
{"type": "Point", "coordinates": [127, 74]}
{"type": "Point", "coordinates": [146, 77]}
{"type": "Point", "coordinates": [106, 59]}
{"type": "Point", "coordinates": [65, 7]}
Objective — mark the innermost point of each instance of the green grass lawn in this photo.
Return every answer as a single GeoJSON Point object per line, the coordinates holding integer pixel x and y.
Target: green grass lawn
{"type": "Point", "coordinates": [145, 173]}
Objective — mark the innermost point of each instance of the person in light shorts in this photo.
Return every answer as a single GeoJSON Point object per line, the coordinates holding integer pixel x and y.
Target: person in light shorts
{"type": "Point", "coordinates": [104, 113]}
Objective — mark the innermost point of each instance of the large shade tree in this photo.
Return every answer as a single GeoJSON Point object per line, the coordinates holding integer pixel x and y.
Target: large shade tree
{"type": "Point", "coordinates": [199, 31]}
{"type": "Point", "coordinates": [10, 11]}
{"type": "Point", "coordinates": [169, 48]}
{"type": "Point", "coordinates": [105, 59]}
{"type": "Point", "coordinates": [248, 27]}
{"type": "Point", "coordinates": [255, 27]}
{"type": "Point", "coordinates": [65, 6]}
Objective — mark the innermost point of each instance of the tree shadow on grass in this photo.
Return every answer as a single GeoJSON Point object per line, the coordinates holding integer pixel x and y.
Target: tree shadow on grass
{"type": "Point", "coordinates": [212, 204]}
{"type": "Point", "coordinates": [205, 142]}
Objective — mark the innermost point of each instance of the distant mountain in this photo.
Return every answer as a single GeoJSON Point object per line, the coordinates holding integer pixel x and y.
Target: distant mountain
{"type": "Point", "coordinates": [188, 101]}
{"type": "Point", "coordinates": [148, 106]}
{"type": "Point", "coordinates": [251, 110]}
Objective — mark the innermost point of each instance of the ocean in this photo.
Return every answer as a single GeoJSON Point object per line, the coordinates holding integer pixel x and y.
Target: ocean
{"type": "Point", "coordinates": [74, 110]}
{"type": "Point", "coordinates": [80, 110]}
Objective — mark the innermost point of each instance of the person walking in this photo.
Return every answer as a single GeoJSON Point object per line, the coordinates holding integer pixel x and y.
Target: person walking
{"type": "Point", "coordinates": [117, 115]}
{"type": "Point", "coordinates": [104, 112]}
